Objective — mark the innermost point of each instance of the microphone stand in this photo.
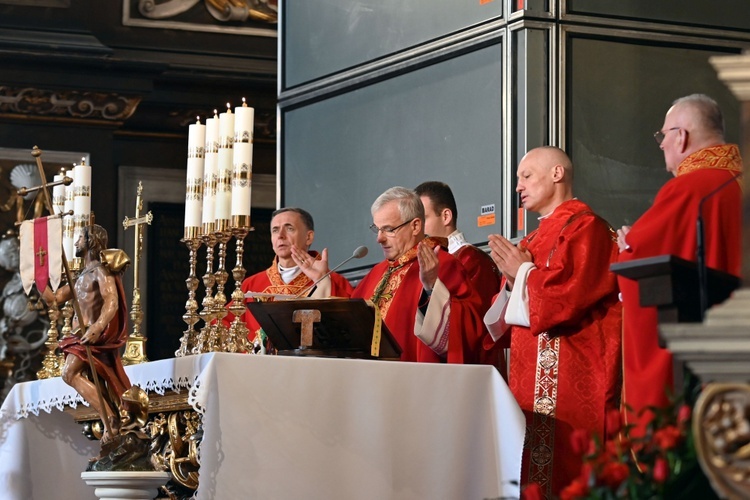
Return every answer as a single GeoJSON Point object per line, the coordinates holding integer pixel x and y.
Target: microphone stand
{"type": "Point", "coordinates": [700, 248]}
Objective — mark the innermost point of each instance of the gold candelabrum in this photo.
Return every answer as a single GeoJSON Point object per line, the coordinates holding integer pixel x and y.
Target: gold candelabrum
{"type": "Point", "coordinates": [135, 349]}
{"type": "Point", "coordinates": [207, 313]}
{"type": "Point", "coordinates": [193, 241]}
{"type": "Point", "coordinates": [237, 340]}
{"type": "Point", "coordinates": [215, 336]}
{"type": "Point", "coordinates": [53, 361]}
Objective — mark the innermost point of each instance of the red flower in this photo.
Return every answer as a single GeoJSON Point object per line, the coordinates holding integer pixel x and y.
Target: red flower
{"type": "Point", "coordinates": [668, 437]}
{"type": "Point", "coordinates": [576, 489]}
{"type": "Point", "coordinates": [684, 414]}
{"type": "Point", "coordinates": [579, 441]}
{"type": "Point", "coordinates": [613, 474]}
{"type": "Point", "coordinates": [613, 422]}
{"type": "Point", "coordinates": [532, 492]}
{"type": "Point", "coordinates": [661, 470]}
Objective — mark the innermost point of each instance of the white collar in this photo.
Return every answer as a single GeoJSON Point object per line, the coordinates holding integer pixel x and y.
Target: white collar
{"type": "Point", "coordinates": [455, 241]}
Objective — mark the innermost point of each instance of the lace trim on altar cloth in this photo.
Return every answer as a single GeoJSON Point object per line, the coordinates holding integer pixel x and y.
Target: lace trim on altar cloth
{"type": "Point", "coordinates": [155, 377]}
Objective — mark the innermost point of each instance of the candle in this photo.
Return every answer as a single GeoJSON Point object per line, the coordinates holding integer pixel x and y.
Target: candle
{"type": "Point", "coordinates": [223, 204]}
{"type": "Point", "coordinates": [242, 165]}
{"type": "Point", "coordinates": [194, 181]}
{"type": "Point", "coordinates": [81, 198]}
{"type": "Point", "coordinates": [68, 241]}
{"type": "Point", "coordinates": [209, 173]}
{"type": "Point", "coordinates": [58, 194]}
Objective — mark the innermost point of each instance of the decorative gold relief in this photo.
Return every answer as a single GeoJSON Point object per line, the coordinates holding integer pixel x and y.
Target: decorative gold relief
{"type": "Point", "coordinates": [721, 426]}
{"type": "Point", "coordinates": [70, 104]}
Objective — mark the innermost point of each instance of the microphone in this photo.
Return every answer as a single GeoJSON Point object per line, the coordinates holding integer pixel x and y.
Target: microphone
{"type": "Point", "coordinates": [700, 247]}
{"type": "Point", "coordinates": [358, 253]}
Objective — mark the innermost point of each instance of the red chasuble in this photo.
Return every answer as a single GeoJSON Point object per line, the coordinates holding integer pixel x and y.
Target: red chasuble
{"type": "Point", "coordinates": [565, 368]}
{"type": "Point", "coordinates": [485, 278]}
{"type": "Point", "coordinates": [396, 289]}
{"type": "Point", "coordinates": [269, 281]}
{"type": "Point", "coordinates": [669, 227]}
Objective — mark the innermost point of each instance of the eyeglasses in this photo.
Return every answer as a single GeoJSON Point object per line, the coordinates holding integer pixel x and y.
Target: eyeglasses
{"type": "Point", "coordinates": [388, 231]}
{"type": "Point", "coordinates": [659, 135]}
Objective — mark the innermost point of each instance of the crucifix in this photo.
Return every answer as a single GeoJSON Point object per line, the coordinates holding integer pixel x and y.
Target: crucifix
{"type": "Point", "coordinates": [135, 349]}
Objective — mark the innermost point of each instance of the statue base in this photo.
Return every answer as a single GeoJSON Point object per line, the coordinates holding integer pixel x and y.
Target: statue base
{"type": "Point", "coordinates": [125, 485]}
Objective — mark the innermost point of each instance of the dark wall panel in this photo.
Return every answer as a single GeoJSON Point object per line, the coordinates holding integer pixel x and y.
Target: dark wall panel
{"type": "Point", "coordinates": [441, 122]}
{"type": "Point", "coordinates": [322, 37]}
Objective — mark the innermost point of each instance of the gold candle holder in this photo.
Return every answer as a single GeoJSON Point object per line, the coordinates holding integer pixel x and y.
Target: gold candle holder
{"type": "Point", "coordinates": [207, 314]}
{"type": "Point", "coordinates": [220, 332]}
{"type": "Point", "coordinates": [191, 305]}
{"type": "Point", "coordinates": [237, 340]}
{"type": "Point", "coordinates": [52, 362]}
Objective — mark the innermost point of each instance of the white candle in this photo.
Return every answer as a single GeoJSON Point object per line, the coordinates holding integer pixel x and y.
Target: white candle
{"type": "Point", "coordinates": [194, 180]}
{"type": "Point", "coordinates": [224, 170]}
{"type": "Point", "coordinates": [209, 173]}
{"type": "Point", "coordinates": [242, 164]}
{"type": "Point", "coordinates": [58, 194]}
{"type": "Point", "coordinates": [242, 172]}
{"type": "Point", "coordinates": [81, 198]}
{"type": "Point", "coordinates": [68, 241]}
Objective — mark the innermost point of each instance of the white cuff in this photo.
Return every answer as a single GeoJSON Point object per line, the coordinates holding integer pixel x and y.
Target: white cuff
{"type": "Point", "coordinates": [517, 312]}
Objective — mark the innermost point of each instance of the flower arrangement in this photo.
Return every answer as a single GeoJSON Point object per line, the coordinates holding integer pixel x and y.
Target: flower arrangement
{"type": "Point", "coordinates": [659, 464]}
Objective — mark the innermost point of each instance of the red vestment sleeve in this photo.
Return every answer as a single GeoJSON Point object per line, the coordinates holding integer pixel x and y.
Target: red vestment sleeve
{"type": "Point", "coordinates": [562, 293]}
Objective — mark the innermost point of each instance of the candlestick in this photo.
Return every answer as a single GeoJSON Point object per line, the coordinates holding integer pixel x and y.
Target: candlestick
{"type": "Point", "coordinates": [191, 305]}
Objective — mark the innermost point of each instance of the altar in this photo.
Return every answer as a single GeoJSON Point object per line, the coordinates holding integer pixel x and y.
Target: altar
{"type": "Point", "coordinates": [290, 427]}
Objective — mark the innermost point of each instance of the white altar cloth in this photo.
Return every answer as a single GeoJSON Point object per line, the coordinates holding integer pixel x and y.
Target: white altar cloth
{"type": "Point", "coordinates": [280, 427]}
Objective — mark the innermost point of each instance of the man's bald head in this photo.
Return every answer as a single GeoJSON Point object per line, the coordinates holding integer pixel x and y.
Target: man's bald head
{"type": "Point", "coordinates": [545, 179]}
{"type": "Point", "coordinates": [692, 123]}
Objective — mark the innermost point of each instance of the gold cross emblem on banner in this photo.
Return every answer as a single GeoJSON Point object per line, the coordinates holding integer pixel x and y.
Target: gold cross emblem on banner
{"type": "Point", "coordinates": [41, 253]}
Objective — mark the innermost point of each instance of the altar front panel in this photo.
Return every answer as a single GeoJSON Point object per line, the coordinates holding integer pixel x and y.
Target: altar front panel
{"type": "Point", "coordinates": [285, 427]}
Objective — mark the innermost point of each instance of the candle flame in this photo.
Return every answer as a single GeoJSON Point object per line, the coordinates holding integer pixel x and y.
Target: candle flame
{"type": "Point", "coordinates": [244, 104]}
{"type": "Point", "coordinates": [197, 120]}
{"type": "Point", "coordinates": [216, 113]}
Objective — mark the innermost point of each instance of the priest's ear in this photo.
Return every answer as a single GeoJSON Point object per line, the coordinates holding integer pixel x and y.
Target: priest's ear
{"type": "Point", "coordinates": [558, 173]}
{"type": "Point", "coordinates": [309, 238]}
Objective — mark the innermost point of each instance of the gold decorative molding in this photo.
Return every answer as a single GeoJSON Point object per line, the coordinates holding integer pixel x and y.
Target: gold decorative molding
{"type": "Point", "coordinates": [72, 105]}
{"type": "Point", "coordinates": [722, 438]}
{"type": "Point", "coordinates": [175, 432]}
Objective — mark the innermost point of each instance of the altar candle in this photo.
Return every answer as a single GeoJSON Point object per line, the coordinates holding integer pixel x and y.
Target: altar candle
{"type": "Point", "coordinates": [194, 181]}
{"type": "Point", "coordinates": [68, 241]}
{"type": "Point", "coordinates": [58, 194]}
{"type": "Point", "coordinates": [223, 205]}
{"type": "Point", "coordinates": [209, 173]}
{"type": "Point", "coordinates": [242, 165]}
{"type": "Point", "coordinates": [81, 198]}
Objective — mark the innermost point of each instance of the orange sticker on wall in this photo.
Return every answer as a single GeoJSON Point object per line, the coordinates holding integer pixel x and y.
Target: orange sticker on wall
{"type": "Point", "coordinates": [485, 220]}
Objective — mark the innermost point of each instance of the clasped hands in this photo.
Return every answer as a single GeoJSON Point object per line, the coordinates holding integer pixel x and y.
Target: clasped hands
{"type": "Point", "coordinates": [507, 256]}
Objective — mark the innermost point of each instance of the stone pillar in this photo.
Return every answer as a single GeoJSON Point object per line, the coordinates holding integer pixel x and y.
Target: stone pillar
{"type": "Point", "coordinates": [734, 71]}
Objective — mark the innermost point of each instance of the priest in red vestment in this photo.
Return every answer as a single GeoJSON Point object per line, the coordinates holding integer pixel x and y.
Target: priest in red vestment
{"type": "Point", "coordinates": [441, 216]}
{"type": "Point", "coordinates": [695, 152]}
{"type": "Point", "coordinates": [559, 304]}
{"type": "Point", "coordinates": [291, 229]}
{"type": "Point", "coordinates": [423, 293]}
